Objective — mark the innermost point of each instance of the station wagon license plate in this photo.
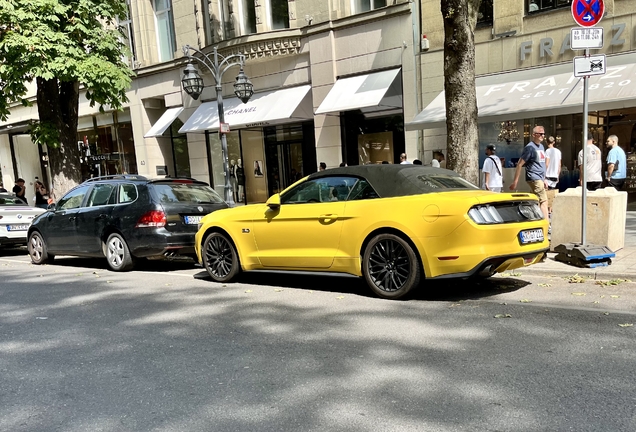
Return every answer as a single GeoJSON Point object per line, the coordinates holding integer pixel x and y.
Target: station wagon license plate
{"type": "Point", "coordinates": [17, 227]}
{"type": "Point", "coordinates": [193, 220]}
{"type": "Point", "coordinates": [531, 236]}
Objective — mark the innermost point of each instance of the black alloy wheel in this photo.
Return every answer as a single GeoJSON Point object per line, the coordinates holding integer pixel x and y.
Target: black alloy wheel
{"type": "Point", "coordinates": [390, 266]}
{"type": "Point", "coordinates": [220, 258]}
{"type": "Point", "coordinates": [37, 249]}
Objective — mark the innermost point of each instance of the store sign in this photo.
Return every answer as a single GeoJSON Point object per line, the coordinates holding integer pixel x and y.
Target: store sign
{"type": "Point", "coordinates": [96, 158]}
{"type": "Point", "coordinates": [547, 45]}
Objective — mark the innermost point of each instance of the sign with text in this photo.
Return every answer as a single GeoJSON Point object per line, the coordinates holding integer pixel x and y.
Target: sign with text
{"type": "Point", "coordinates": [584, 38]}
{"type": "Point", "coordinates": [589, 65]}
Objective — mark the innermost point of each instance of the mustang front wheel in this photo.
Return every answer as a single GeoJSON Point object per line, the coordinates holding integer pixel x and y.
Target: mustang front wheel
{"type": "Point", "coordinates": [220, 258]}
{"type": "Point", "coordinates": [390, 266]}
{"type": "Point", "coordinates": [38, 250]}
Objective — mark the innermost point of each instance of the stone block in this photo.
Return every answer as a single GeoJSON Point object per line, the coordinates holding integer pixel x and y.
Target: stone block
{"type": "Point", "coordinates": [606, 213]}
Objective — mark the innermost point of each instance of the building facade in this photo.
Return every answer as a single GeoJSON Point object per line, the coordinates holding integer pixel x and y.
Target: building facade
{"type": "Point", "coordinates": [524, 68]}
{"type": "Point", "coordinates": [329, 86]}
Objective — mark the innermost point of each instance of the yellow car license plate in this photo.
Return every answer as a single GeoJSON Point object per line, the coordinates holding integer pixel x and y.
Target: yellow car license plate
{"type": "Point", "coordinates": [531, 236]}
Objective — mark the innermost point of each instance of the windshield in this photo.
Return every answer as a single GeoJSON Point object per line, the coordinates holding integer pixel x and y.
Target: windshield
{"type": "Point", "coordinates": [186, 192]}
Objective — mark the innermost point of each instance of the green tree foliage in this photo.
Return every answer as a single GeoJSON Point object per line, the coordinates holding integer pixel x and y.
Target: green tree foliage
{"type": "Point", "coordinates": [62, 46]}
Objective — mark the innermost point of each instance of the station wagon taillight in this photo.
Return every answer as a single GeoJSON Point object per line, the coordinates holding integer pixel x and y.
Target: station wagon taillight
{"type": "Point", "coordinates": [153, 218]}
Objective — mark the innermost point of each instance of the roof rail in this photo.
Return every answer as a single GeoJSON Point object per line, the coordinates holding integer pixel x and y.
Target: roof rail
{"type": "Point", "coordinates": [116, 176]}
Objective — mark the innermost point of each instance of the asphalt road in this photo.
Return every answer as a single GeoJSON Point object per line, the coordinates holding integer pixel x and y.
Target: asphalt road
{"type": "Point", "coordinates": [165, 349]}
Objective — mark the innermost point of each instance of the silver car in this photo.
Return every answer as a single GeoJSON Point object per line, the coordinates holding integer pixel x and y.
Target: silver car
{"type": "Point", "coordinates": [15, 220]}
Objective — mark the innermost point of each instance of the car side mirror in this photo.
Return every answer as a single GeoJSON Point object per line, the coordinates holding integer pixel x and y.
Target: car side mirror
{"type": "Point", "coordinates": [273, 202]}
{"type": "Point", "coordinates": [51, 207]}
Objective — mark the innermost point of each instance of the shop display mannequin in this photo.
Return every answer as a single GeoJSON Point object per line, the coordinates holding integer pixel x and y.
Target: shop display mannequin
{"type": "Point", "coordinates": [233, 179]}
{"type": "Point", "coordinates": [240, 179]}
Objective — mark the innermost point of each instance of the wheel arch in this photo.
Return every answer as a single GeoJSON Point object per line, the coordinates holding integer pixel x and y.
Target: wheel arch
{"type": "Point", "coordinates": [398, 233]}
{"type": "Point", "coordinates": [218, 229]}
{"type": "Point", "coordinates": [106, 233]}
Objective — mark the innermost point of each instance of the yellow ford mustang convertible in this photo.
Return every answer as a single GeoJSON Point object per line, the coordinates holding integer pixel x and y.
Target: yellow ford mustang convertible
{"type": "Point", "coordinates": [392, 224]}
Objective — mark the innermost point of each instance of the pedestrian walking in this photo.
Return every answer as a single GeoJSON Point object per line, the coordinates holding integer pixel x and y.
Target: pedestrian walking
{"type": "Point", "coordinates": [593, 166]}
{"type": "Point", "coordinates": [493, 178]}
{"type": "Point", "coordinates": [552, 170]}
{"type": "Point", "coordinates": [438, 158]}
{"type": "Point", "coordinates": [404, 160]}
{"type": "Point", "coordinates": [616, 164]}
{"type": "Point", "coordinates": [533, 158]}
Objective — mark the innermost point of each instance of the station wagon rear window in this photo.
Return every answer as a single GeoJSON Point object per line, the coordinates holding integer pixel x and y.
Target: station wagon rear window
{"type": "Point", "coordinates": [186, 192]}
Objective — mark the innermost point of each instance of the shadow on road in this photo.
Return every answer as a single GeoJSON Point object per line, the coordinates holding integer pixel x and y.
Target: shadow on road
{"type": "Point", "coordinates": [437, 290]}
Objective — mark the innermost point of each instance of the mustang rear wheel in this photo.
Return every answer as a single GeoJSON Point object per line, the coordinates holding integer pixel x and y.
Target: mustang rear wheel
{"type": "Point", "coordinates": [390, 266]}
{"type": "Point", "coordinates": [38, 250]}
{"type": "Point", "coordinates": [220, 258]}
{"type": "Point", "coordinates": [118, 254]}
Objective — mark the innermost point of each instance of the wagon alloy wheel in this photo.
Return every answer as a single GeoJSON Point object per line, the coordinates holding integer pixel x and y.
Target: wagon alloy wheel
{"type": "Point", "coordinates": [220, 258]}
{"type": "Point", "coordinates": [37, 249]}
{"type": "Point", "coordinates": [390, 266]}
{"type": "Point", "coordinates": [118, 254]}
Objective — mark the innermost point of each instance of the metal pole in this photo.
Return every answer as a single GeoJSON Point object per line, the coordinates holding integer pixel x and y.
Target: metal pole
{"type": "Point", "coordinates": [584, 165]}
{"type": "Point", "coordinates": [229, 196]}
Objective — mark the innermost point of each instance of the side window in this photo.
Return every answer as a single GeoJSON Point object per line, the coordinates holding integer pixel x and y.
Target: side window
{"type": "Point", "coordinates": [324, 189]}
{"type": "Point", "coordinates": [127, 193]}
{"type": "Point", "coordinates": [102, 194]}
{"type": "Point", "coordinates": [73, 199]}
{"type": "Point", "coordinates": [362, 190]}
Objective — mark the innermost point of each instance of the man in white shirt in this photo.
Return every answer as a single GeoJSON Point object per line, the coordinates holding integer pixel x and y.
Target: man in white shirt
{"type": "Point", "coordinates": [552, 170]}
{"type": "Point", "coordinates": [438, 158]}
{"type": "Point", "coordinates": [493, 178]}
{"type": "Point", "coordinates": [593, 166]}
{"type": "Point", "coordinates": [403, 159]}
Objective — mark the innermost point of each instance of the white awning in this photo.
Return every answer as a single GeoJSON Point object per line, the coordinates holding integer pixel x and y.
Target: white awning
{"type": "Point", "coordinates": [263, 109]}
{"type": "Point", "coordinates": [164, 122]}
{"type": "Point", "coordinates": [378, 90]}
{"type": "Point", "coordinates": [545, 91]}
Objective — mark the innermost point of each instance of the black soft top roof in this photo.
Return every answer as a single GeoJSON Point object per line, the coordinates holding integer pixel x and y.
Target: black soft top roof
{"type": "Point", "coordinates": [391, 180]}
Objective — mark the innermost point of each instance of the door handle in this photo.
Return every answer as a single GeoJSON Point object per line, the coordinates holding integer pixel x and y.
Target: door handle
{"type": "Point", "coordinates": [328, 217]}
{"type": "Point", "coordinates": [72, 218]}
{"type": "Point", "coordinates": [102, 216]}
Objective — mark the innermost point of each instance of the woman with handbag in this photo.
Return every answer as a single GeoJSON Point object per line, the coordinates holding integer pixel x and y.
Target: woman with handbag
{"type": "Point", "coordinates": [41, 197]}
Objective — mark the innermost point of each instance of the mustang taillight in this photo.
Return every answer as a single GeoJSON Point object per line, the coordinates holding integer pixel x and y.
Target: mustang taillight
{"type": "Point", "coordinates": [485, 214]}
{"type": "Point", "coordinates": [153, 218]}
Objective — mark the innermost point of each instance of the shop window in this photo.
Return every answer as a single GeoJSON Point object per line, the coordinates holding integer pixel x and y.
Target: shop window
{"type": "Point", "coordinates": [534, 6]}
{"type": "Point", "coordinates": [125, 26]}
{"type": "Point", "coordinates": [484, 15]}
{"type": "Point", "coordinates": [164, 21]}
{"type": "Point", "coordinates": [180, 153]}
{"type": "Point", "coordinates": [367, 5]}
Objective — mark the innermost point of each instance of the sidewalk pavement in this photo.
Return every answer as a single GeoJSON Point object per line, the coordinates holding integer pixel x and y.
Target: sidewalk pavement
{"type": "Point", "coordinates": [623, 266]}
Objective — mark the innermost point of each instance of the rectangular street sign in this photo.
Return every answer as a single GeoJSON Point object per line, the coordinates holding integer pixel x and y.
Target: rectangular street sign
{"type": "Point", "coordinates": [587, 66]}
{"type": "Point", "coordinates": [582, 38]}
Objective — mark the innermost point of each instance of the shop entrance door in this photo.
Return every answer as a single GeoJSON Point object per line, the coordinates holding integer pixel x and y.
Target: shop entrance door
{"type": "Point", "coordinates": [284, 164]}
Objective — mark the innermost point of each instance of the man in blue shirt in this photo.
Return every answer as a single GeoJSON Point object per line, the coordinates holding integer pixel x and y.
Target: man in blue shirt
{"type": "Point", "coordinates": [616, 164]}
{"type": "Point", "coordinates": [533, 158]}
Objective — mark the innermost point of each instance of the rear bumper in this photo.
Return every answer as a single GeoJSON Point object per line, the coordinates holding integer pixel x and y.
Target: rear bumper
{"type": "Point", "coordinates": [500, 264]}
{"type": "Point", "coordinates": [154, 242]}
{"type": "Point", "coordinates": [11, 241]}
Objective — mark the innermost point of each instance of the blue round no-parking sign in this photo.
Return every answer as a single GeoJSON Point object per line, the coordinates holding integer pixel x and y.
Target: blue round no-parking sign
{"type": "Point", "coordinates": [587, 13]}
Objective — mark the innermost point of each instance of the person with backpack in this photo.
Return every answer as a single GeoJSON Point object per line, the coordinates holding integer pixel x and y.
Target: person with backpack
{"type": "Point", "coordinates": [493, 178]}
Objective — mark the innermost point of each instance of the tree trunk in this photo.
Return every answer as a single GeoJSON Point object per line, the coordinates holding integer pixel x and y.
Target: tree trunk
{"type": "Point", "coordinates": [58, 109]}
{"type": "Point", "coordinates": [460, 18]}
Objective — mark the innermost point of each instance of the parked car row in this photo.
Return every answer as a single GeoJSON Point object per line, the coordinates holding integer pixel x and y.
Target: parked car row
{"type": "Point", "coordinates": [393, 225]}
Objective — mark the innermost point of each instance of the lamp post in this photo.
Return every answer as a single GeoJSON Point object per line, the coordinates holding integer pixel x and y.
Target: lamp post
{"type": "Point", "coordinates": [193, 85]}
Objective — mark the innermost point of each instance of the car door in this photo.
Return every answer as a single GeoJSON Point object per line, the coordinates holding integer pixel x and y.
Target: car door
{"type": "Point", "coordinates": [61, 223]}
{"type": "Point", "coordinates": [304, 232]}
{"type": "Point", "coordinates": [93, 218]}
